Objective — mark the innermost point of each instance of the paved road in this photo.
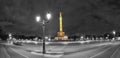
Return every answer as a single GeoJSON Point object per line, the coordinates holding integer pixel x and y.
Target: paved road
{"type": "Point", "coordinates": [111, 52]}
{"type": "Point", "coordinates": [6, 52]}
{"type": "Point", "coordinates": [103, 50]}
{"type": "Point", "coordinates": [106, 51]}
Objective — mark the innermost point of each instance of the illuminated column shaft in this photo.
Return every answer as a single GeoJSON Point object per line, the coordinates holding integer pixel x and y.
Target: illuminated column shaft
{"type": "Point", "coordinates": [61, 27]}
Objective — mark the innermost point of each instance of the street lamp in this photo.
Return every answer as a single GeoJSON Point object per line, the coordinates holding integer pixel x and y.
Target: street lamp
{"type": "Point", "coordinates": [10, 38]}
{"type": "Point", "coordinates": [38, 18]}
{"type": "Point", "coordinates": [114, 33]}
{"type": "Point", "coordinates": [43, 22]}
{"type": "Point", "coordinates": [48, 16]}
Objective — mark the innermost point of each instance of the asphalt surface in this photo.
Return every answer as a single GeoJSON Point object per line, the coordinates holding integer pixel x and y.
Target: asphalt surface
{"type": "Point", "coordinates": [102, 50]}
{"type": "Point", "coordinates": [111, 52]}
{"type": "Point", "coordinates": [7, 52]}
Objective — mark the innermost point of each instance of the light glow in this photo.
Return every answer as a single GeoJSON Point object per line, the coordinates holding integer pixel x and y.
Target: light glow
{"type": "Point", "coordinates": [48, 16]}
{"type": "Point", "coordinates": [38, 18]}
{"type": "Point", "coordinates": [114, 32]}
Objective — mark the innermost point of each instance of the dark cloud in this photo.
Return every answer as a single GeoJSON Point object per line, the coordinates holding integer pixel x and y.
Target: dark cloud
{"type": "Point", "coordinates": [79, 16]}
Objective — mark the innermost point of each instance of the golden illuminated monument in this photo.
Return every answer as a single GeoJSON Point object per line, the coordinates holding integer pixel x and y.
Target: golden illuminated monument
{"type": "Point", "coordinates": [61, 35]}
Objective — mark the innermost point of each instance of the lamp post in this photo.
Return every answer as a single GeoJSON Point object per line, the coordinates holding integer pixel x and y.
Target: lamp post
{"type": "Point", "coordinates": [10, 38]}
{"type": "Point", "coordinates": [43, 22]}
{"type": "Point", "coordinates": [114, 33]}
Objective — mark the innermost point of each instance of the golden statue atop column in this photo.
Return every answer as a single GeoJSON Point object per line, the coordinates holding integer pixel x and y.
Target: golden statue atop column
{"type": "Point", "coordinates": [61, 35]}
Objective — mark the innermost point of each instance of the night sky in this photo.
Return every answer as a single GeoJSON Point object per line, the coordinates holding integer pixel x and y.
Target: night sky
{"type": "Point", "coordinates": [79, 16]}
